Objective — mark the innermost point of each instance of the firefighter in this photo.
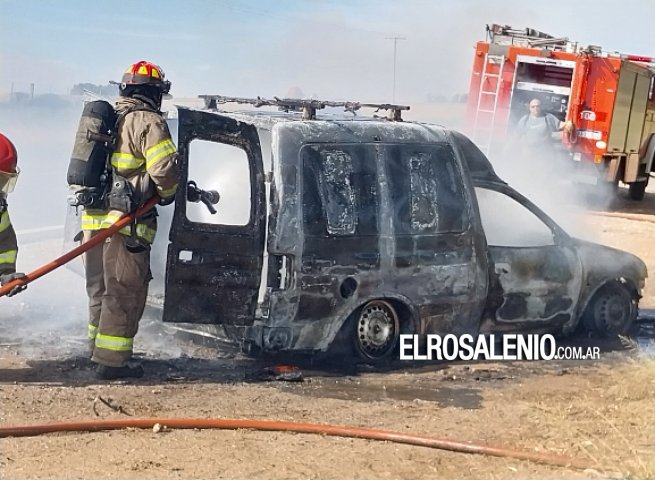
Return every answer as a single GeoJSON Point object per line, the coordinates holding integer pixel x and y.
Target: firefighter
{"type": "Point", "coordinates": [118, 270]}
{"type": "Point", "coordinates": [8, 246]}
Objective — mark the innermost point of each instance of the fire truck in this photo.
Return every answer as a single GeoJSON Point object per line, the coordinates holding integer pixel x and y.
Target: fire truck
{"type": "Point", "coordinates": [607, 96]}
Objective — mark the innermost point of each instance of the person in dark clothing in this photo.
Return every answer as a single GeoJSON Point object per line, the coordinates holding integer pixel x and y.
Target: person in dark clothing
{"type": "Point", "coordinates": [536, 128]}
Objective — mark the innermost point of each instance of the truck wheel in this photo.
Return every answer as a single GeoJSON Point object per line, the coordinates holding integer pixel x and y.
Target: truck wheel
{"type": "Point", "coordinates": [637, 190]}
{"type": "Point", "coordinates": [376, 331]}
{"type": "Point", "coordinates": [611, 311]}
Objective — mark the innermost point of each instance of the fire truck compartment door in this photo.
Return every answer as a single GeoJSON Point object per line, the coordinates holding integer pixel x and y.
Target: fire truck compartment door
{"type": "Point", "coordinates": [629, 110]}
{"type": "Point", "coordinates": [214, 262]}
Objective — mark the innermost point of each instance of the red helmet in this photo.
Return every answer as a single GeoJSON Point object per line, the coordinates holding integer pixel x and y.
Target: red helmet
{"type": "Point", "coordinates": [8, 156]}
{"type": "Point", "coordinates": [8, 165]}
{"type": "Point", "coordinates": [145, 73]}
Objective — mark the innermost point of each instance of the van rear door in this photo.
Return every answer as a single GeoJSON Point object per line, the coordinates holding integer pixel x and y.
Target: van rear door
{"type": "Point", "coordinates": [214, 262]}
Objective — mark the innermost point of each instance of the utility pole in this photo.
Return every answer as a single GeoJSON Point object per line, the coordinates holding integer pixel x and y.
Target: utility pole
{"type": "Point", "coordinates": [395, 44]}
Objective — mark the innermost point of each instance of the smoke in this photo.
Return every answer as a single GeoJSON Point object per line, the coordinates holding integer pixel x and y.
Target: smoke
{"type": "Point", "coordinates": [559, 186]}
{"type": "Point", "coordinates": [19, 75]}
{"type": "Point", "coordinates": [52, 309]}
{"type": "Point", "coordinates": [50, 317]}
{"type": "Point", "coordinates": [550, 178]}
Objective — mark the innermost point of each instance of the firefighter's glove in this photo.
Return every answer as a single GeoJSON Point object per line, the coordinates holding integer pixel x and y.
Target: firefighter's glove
{"type": "Point", "coordinates": [5, 279]}
{"type": "Point", "coordinates": [166, 201]}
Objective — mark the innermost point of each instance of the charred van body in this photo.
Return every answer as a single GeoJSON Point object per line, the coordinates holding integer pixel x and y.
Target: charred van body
{"type": "Point", "coordinates": [353, 231]}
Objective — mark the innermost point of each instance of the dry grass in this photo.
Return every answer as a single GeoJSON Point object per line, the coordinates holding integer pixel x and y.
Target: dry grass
{"type": "Point", "coordinates": [607, 416]}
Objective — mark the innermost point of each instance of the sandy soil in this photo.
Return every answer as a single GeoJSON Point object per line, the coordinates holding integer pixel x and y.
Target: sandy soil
{"type": "Point", "coordinates": [601, 411]}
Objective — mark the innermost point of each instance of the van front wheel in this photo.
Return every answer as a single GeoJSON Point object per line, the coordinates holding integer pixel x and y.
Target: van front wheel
{"type": "Point", "coordinates": [377, 329]}
{"type": "Point", "coordinates": [611, 311]}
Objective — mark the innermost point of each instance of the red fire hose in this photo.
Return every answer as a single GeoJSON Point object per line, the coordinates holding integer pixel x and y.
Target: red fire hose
{"type": "Point", "coordinates": [58, 262]}
{"type": "Point", "coordinates": [268, 425]}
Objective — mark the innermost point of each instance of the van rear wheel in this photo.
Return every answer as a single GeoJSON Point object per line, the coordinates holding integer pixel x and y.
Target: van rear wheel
{"type": "Point", "coordinates": [377, 329]}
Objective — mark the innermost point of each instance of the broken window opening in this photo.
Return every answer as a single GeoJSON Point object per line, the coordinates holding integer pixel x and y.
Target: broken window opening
{"type": "Point", "coordinates": [508, 223]}
{"type": "Point", "coordinates": [226, 169]}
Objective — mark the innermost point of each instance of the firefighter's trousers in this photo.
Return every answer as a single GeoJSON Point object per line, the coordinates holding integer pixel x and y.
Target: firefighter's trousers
{"type": "Point", "coordinates": [117, 286]}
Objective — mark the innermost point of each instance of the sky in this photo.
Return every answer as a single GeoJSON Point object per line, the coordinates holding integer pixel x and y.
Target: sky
{"type": "Point", "coordinates": [330, 49]}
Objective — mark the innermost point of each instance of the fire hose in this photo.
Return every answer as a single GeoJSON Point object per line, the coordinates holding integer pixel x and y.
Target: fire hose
{"type": "Point", "coordinates": [279, 426]}
{"type": "Point", "coordinates": [92, 242]}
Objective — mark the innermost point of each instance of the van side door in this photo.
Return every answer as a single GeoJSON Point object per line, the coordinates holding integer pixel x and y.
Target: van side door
{"type": "Point", "coordinates": [340, 226]}
{"type": "Point", "coordinates": [214, 262]}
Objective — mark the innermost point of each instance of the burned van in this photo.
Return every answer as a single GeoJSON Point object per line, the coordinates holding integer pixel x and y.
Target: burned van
{"type": "Point", "coordinates": [350, 231]}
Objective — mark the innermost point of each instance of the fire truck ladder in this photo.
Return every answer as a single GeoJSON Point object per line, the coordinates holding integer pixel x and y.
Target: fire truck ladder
{"type": "Point", "coordinates": [483, 134]}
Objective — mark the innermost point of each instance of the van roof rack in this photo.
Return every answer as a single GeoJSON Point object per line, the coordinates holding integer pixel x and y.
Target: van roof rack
{"type": "Point", "coordinates": [308, 107]}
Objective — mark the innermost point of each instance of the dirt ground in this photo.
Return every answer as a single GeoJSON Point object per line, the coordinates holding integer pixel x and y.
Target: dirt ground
{"type": "Point", "coordinates": [598, 410]}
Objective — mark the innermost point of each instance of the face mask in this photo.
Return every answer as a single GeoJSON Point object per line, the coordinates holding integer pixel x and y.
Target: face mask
{"type": "Point", "coordinates": [8, 181]}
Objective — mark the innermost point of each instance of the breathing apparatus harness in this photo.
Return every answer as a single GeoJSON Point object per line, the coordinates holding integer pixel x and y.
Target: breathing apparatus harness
{"type": "Point", "coordinates": [94, 182]}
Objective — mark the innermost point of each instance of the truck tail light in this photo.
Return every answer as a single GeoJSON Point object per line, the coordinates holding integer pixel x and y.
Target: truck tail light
{"type": "Point", "coordinates": [600, 144]}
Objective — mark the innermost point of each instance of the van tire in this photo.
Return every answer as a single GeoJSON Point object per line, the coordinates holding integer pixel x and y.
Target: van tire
{"type": "Point", "coordinates": [375, 330]}
{"type": "Point", "coordinates": [611, 311]}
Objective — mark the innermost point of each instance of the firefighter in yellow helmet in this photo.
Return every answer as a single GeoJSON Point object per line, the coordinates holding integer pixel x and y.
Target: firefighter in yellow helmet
{"type": "Point", "coordinates": [8, 246]}
{"type": "Point", "coordinates": [118, 270]}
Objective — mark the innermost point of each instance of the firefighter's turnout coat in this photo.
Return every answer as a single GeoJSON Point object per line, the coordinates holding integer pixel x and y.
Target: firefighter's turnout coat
{"type": "Point", "coordinates": [8, 244]}
{"type": "Point", "coordinates": [118, 271]}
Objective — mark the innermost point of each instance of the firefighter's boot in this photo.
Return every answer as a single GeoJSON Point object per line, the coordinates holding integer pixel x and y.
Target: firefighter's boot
{"type": "Point", "coordinates": [114, 373]}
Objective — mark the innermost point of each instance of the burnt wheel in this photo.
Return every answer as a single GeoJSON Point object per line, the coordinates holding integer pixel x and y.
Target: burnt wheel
{"type": "Point", "coordinates": [612, 310]}
{"type": "Point", "coordinates": [377, 329]}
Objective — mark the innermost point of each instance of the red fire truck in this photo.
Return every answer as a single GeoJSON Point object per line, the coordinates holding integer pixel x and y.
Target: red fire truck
{"type": "Point", "coordinates": [608, 97]}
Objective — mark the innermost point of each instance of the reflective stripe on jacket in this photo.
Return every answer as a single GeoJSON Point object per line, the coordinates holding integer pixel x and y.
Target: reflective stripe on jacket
{"type": "Point", "coordinates": [8, 244]}
{"type": "Point", "coordinates": [145, 156]}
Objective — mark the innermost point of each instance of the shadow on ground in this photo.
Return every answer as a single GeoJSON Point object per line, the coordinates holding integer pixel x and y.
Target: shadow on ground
{"type": "Point", "coordinates": [445, 383]}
